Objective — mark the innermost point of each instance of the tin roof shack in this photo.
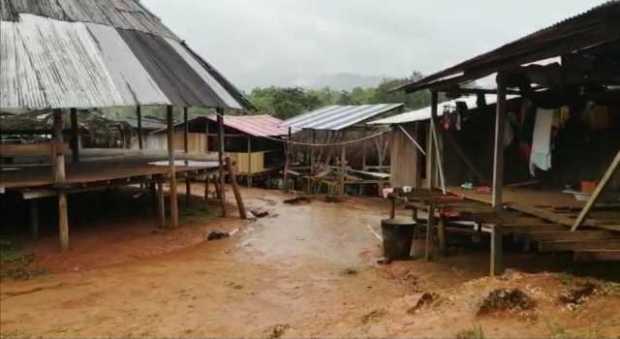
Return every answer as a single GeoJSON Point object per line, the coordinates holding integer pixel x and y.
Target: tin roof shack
{"type": "Point", "coordinates": [254, 142]}
{"type": "Point", "coordinates": [466, 134]}
{"type": "Point", "coordinates": [335, 140]}
{"type": "Point", "coordinates": [567, 75]}
{"type": "Point", "coordinates": [65, 56]}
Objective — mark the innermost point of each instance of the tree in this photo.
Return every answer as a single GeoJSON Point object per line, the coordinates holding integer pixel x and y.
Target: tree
{"type": "Point", "coordinates": [288, 102]}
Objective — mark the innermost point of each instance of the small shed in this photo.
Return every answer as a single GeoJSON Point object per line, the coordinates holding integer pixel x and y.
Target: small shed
{"type": "Point", "coordinates": [254, 142]}
{"type": "Point", "coordinates": [347, 136]}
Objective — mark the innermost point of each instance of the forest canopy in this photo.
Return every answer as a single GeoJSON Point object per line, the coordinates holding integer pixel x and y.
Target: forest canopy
{"type": "Point", "coordinates": [287, 102]}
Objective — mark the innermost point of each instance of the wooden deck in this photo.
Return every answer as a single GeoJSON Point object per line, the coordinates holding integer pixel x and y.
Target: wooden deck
{"type": "Point", "coordinates": [100, 166]}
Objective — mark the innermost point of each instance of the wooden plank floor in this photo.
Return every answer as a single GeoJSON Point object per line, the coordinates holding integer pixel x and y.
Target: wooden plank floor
{"type": "Point", "coordinates": [94, 171]}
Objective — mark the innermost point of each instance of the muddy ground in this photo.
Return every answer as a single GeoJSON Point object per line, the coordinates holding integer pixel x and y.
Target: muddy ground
{"type": "Point", "coordinates": [308, 270]}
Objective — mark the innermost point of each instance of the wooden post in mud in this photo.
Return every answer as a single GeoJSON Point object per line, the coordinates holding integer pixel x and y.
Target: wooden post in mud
{"type": "Point", "coordinates": [287, 160]}
{"type": "Point", "coordinates": [343, 170]}
{"type": "Point", "coordinates": [161, 204]}
{"type": "Point", "coordinates": [430, 145]}
{"type": "Point", "coordinates": [188, 182]}
{"type": "Point", "coordinates": [249, 161]}
{"type": "Point", "coordinates": [60, 177]}
{"type": "Point", "coordinates": [497, 251]}
{"type": "Point", "coordinates": [140, 132]}
{"type": "Point", "coordinates": [441, 235]}
{"type": "Point", "coordinates": [429, 231]}
{"type": "Point", "coordinates": [500, 127]}
{"type": "Point", "coordinates": [235, 186]}
{"type": "Point", "coordinates": [174, 201]}
{"type": "Point", "coordinates": [75, 137]}
{"type": "Point", "coordinates": [221, 150]}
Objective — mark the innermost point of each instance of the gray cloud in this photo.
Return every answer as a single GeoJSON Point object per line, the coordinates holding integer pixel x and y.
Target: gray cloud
{"type": "Point", "coordinates": [284, 42]}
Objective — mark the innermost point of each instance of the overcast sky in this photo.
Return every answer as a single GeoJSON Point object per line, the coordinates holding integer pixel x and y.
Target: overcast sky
{"type": "Point", "coordinates": [286, 42]}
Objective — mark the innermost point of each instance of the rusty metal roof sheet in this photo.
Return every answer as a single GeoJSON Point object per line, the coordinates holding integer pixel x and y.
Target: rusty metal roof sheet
{"type": "Point", "coordinates": [335, 118]}
{"type": "Point", "coordinates": [256, 125]}
{"type": "Point", "coordinates": [100, 53]}
{"type": "Point", "coordinates": [597, 27]}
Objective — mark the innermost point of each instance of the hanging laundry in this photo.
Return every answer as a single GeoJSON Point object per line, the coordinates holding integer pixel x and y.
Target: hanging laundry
{"type": "Point", "coordinates": [541, 143]}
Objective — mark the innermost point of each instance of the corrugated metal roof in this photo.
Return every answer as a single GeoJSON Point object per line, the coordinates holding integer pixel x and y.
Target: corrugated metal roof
{"type": "Point", "coordinates": [100, 53]}
{"type": "Point", "coordinates": [335, 118]}
{"type": "Point", "coordinates": [255, 125]}
{"type": "Point", "coordinates": [595, 27]}
{"type": "Point", "coordinates": [425, 113]}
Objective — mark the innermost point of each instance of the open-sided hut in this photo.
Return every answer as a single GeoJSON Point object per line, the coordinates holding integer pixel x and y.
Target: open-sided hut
{"type": "Point", "coordinates": [69, 55]}
{"type": "Point", "coordinates": [338, 125]}
{"type": "Point", "coordinates": [559, 142]}
{"type": "Point", "coordinates": [253, 142]}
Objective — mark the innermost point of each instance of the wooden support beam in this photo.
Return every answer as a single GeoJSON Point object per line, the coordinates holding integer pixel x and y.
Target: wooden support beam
{"type": "Point", "coordinates": [429, 230]}
{"type": "Point", "coordinates": [221, 150]}
{"type": "Point", "coordinates": [498, 160]}
{"type": "Point", "coordinates": [287, 160]}
{"type": "Point", "coordinates": [140, 132]}
{"type": "Point", "coordinates": [174, 199]}
{"type": "Point", "coordinates": [441, 236]}
{"type": "Point", "coordinates": [236, 190]}
{"type": "Point", "coordinates": [161, 204]}
{"type": "Point", "coordinates": [613, 169]}
{"type": "Point", "coordinates": [430, 159]}
{"type": "Point", "coordinates": [602, 255]}
{"type": "Point", "coordinates": [60, 177]}
{"type": "Point", "coordinates": [497, 252]}
{"type": "Point", "coordinates": [75, 137]}
{"type": "Point", "coordinates": [569, 236]}
{"type": "Point", "coordinates": [434, 130]}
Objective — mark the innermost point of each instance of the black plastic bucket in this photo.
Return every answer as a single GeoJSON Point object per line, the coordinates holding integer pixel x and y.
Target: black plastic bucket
{"type": "Point", "coordinates": [397, 238]}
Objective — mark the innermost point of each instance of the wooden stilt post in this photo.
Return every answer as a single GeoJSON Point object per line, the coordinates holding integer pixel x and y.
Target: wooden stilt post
{"type": "Point", "coordinates": [249, 161]}
{"type": "Point", "coordinates": [221, 150]}
{"type": "Point", "coordinates": [497, 252]}
{"type": "Point", "coordinates": [188, 182]}
{"type": "Point", "coordinates": [441, 235]}
{"type": "Point", "coordinates": [429, 231]}
{"type": "Point", "coordinates": [140, 133]}
{"type": "Point", "coordinates": [34, 219]}
{"type": "Point", "coordinates": [174, 199]}
{"type": "Point", "coordinates": [430, 146]}
{"type": "Point", "coordinates": [207, 182]}
{"type": "Point", "coordinates": [418, 163]}
{"type": "Point", "coordinates": [500, 126]}
{"type": "Point", "coordinates": [435, 141]}
{"type": "Point", "coordinates": [365, 152]}
{"type": "Point", "coordinates": [75, 137]}
{"type": "Point", "coordinates": [598, 192]}
{"type": "Point", "coordinates": [161, 204]}
{"type": "Point", "coordinates": [235, 187]}
{"type": "Point", "coordinates": [287, 160]}
{"type": "Point", "coordinates": [60, 178]}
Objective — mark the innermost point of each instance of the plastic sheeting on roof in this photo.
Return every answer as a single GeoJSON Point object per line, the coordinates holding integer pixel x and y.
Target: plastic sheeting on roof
{"type": "Point", "coordinates": [48, 63]}
{"type": "Point", "coordinates": [425, 113]}
{"type": "Point", "coordinates": [336, 118]}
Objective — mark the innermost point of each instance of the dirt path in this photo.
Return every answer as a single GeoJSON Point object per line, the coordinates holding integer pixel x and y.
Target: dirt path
{"type": "Point", "coordinates": [306, 270]}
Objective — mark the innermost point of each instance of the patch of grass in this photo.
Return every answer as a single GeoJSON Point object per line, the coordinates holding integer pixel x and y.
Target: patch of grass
{"type": "Point", "coordinates": [558, 332]}
{"type": "Point", "coordinates": [201, 213]}
{"type": "Point", "coordinates": [474, 333]}
{"type": "Point", "coordinates": [14, 263]}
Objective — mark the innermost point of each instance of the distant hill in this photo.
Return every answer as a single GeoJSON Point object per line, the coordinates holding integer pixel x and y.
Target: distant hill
{"type": "Point", "coordinates": [340, 81]}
